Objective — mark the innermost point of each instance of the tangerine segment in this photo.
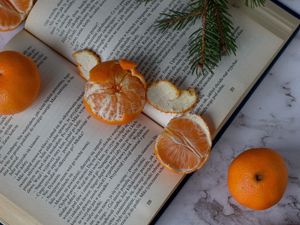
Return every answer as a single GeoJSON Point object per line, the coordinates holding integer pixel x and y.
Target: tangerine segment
{"type": "Point", "coordinates": [114, 95]}
{"type": "Point", "coordinates": [19, 82]}
{"type": "Point", "coordinates": [184, 145]}
{"type": "Point", "coordinates": [22, 6]}
{"type": "Point", "coordinates": [9, 18]}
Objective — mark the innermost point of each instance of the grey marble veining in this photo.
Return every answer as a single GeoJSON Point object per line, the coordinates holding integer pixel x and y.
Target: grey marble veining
{"type": "Point", "coordinates": [270, 118]}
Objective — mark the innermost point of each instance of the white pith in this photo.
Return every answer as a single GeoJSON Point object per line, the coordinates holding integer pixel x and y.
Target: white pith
{"type": "Point", "coordinates": [164, 96]}
{"type": "Point", "coordinates": [86, 61]}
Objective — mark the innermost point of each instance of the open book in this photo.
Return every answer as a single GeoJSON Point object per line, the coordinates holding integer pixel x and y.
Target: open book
{"type": "Point", "coordinates": [58, 165]}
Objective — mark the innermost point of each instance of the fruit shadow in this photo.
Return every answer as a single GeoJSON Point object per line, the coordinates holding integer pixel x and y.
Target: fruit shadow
{"type": "Point", "coordinates": [210, 124]}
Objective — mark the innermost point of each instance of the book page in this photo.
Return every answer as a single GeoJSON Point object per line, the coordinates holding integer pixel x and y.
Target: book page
{"type": "Point", "coordinates": [61, 166]}
{"type": "Point", "coordinates": [124, 29]}
{"type": "Point", "coordinates": [6, 36]}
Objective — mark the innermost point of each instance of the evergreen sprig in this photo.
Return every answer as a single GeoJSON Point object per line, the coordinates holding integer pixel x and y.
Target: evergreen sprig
{"type": "Point", "coordinates": [215, 36]}
{"type": "Point", "coordinates": [254, 3]}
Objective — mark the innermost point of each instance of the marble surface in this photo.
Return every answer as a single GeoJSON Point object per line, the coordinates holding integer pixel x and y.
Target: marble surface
{"type": "Point", "coordinates": [270, 118]}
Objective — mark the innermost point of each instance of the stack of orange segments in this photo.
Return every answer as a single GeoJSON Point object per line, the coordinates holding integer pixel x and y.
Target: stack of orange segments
{"type": "Point", "coordinates": [13, 12]}
{"type": "Point", "coordinates": [184, 145]}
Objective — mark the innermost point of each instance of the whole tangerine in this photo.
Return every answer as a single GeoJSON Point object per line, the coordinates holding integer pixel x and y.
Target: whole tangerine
{"type": "Point", "coordinates": [19, 82]}
{"type": "Point", "coordinates": [257, 178]}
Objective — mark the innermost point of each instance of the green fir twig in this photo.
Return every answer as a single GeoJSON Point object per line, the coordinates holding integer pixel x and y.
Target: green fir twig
{"type": "Point", "coordinates": [215, 35]}
{"type": "Point", "coordinates": [253, 3]}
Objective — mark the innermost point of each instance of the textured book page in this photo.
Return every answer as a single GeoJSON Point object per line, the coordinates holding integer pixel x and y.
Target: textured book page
{"type": "Point", "coordinates": [124, 29]}
{"type": "Point", "coordinates": [11, 214]}
{"type": "Point", "coordinates": [63, 167]}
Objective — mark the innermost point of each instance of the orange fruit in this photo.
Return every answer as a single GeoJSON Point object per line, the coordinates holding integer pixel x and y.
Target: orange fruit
{"type": "Point", "coordinates": [257, 178]}
{"type": "Point", "coordinates": [13, 12]}
{"type": "Point", "coordinates": [114, 95]}
{"type": "Point", "coordinates": [19, 82]}
{"type": "Point", "coordinates": [184, 145]}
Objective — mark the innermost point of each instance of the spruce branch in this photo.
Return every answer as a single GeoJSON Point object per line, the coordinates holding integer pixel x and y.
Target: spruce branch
{"type": "Point", "coordinates": [180, 19]}
{"type": "Point", "coordinates": [213, 39]}
{"type": "Point", "coordinates": [215, 36]}
{"type": "Point", "coordinates": [254, 3]}
{"type": "Point", "coordinates": [202, 58]}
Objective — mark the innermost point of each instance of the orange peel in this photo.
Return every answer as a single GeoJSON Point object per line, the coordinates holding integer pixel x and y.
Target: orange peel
{"type": "Point", "coordinates": [86, 60]}
{"type": "Point", "coordinates": [132, 67]}
{"type": "Point", "coordinates": [166, 97]}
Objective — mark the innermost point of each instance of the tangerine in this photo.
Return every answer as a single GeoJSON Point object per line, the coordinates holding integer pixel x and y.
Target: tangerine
{"type": "Point", "coordinates": [257, 178]}
{"type": "Point", "coordinates": [114, 95]}
{"type": "Point", "coordinates": [184, 145]}
{"type": "Point", "coordinates": [19, 82]}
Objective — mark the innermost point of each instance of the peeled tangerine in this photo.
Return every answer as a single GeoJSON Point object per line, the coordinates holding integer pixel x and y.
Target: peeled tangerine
{"type": "Point", "coordinates": [184, 145]}
{"type": "Point", "coordinates": [115, 92]}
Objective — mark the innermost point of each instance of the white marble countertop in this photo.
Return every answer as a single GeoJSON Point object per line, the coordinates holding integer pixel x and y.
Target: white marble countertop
{"type": "Point", "coordinates": [270, 118]}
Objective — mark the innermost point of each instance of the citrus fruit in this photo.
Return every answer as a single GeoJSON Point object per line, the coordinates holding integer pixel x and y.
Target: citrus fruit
{"type": "Point", "coordinates": [19, 82]}
{"type": "Point", "coordinates": [184, 145]}
{"type": "Point", "coordinates": [257, 178]}
{"type": "Point", "coordinates": [166, 97]}
{"type": "Point", "coordinates": [13, 12]}
{"type": "Point", "coordinates": [114, 95]}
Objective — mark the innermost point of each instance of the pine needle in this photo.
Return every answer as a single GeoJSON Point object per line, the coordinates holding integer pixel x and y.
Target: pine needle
{"type": "Point", "coordinates": [254, 3]}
